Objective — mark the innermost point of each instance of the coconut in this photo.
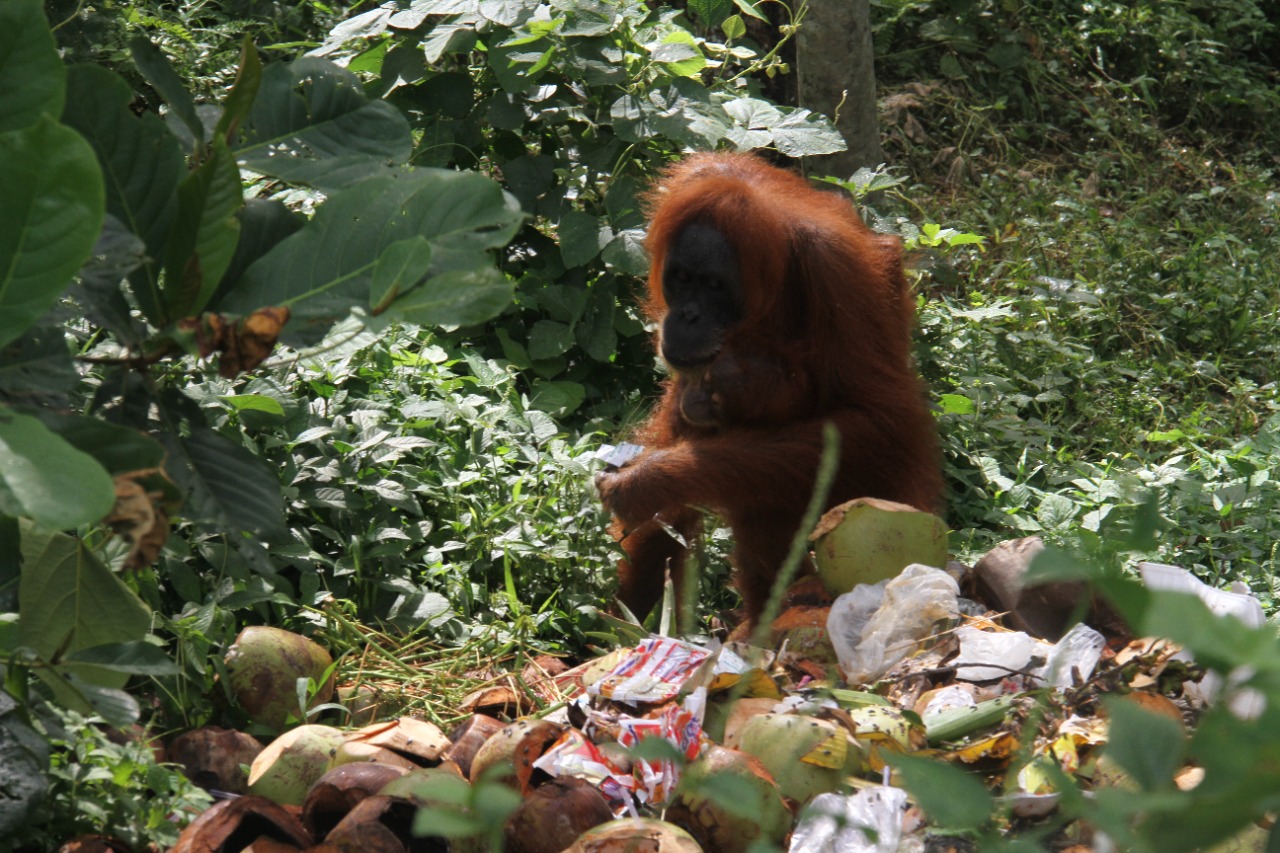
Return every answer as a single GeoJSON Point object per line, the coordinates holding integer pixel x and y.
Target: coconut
{"type": "Point", "coordinates": [213, 757]}
{"type": "Point", "coordinates": [729, 819]}
{"type": "Point", "coordinates": [263, 668]}
{"type": "Point", "coordinates": [516, 746]}
{"type": "Point", "coordinates": [553, 815]}
{"type": "Point", "coordinates": [291, 763]}
{"type": "Point", "coordinates": [339, 790]}
{"type": "Point", "coordinates": [635, 834]}
{"type": "Point", "coordinates": [806, 756]}
{"type": "Point", "coordinates": [869, 540]}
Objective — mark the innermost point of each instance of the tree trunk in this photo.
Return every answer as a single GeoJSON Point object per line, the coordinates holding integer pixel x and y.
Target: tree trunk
{"type": "Point", "coordinates": [834, 63]}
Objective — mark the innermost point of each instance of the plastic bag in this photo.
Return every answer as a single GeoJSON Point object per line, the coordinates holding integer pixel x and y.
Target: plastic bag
{"type": "Point", "coordinates": [833, 823]}
{"type": "Point", "coordinates": [873, 626]}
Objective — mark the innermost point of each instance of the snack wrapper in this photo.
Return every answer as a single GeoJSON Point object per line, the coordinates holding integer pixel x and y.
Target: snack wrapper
{"type": "Point", "coordinates": [678, 725]}
{"type": "Point", "coordinates": [574, 755]}
{"type": "Point", "coordinates": [654, 672]}
{"type": "Point", "coordinates": [649, 780]}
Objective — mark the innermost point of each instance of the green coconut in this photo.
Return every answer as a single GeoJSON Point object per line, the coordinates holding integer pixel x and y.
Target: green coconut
{"type": "Point", "coordinates": [727, 800]}
{"type": "Point", "coordinates": [804, 755]}
{"type": "Point", "coordinates": [291, 763]}
{"type": "Point", "coordinates": [263, 668]}
{"type": "Point", "coordinates": [869, 540]}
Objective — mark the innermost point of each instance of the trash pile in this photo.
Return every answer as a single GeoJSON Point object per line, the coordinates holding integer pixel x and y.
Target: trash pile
{"type": "Point", "coordinates": [716, 746]}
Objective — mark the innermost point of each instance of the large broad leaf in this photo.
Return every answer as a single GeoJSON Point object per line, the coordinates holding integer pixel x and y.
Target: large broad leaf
{"type": "Point", "coordinates": [50, 217]}
{"type": "Point", "coordinates": [452, 299]}
{"type": "Point", "coordinates": [116, 448]}
{"type": "Point", "coordinates": [44, 478]}
{"type": "Point", "coordinates": [155, 67]}
{"type": "Point", "coordinates": [226, 487]}
{"type": "Point", "coordinates": [205, 235]}
{"type": "Point", "coordinates": [137, 657]}
{"type": "Point", "coordinates": [235, 110]}
{"type": "Point", "coordinates": [595, 332]}
{"type": "Point", "coordinates": [582, 236]}
{"type": "Point", "coordinates": [69, 601]}
{"type": "Point", "coordinates": [803, 134]}
{"type": "Point", "coordinates": [141, 161]}
{"type": "Point", "coordinates": [38, 365]}
{"type": "Point", "coordinates": [398, 270]}
{"type": "Point", "coordinates": [312, 123]}
{"type": "Point", "coordinates": [327, 268]}
{"type": "Point", "coordinates": [32, 76]}
{"type": "Point", "coordinates": [263, 224]}
{"type": "Point", "coordinates": [682, 111]}
{"type": "Point", "coordinates": [116, 255]}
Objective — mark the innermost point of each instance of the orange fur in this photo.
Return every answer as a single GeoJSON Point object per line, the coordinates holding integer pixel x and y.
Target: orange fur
{"type": "Point", "coordinates": [825, 337]}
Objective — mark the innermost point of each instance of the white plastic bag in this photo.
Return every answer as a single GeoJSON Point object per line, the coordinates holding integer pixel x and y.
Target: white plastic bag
{"type": "Point", "coordinates": [873, 626]}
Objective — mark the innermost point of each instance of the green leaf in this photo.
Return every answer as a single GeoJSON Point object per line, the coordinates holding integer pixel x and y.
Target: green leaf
{"type": "Point", "coordinates": [461, 298]}
{"type": "Point", "coordinates": [733, 27]}
{"type": "Point", "coordinates": [50, 218]}
{"type": "Point", "coordinates": [116, 707]}
{"type": "Point", "coordinates": [713, 12]}
{"type": "Point", "coordinates": [116, 255]}
{"type": "Point", "coordinates": [589, 17]}
{"type": "Point", "coordinates": [548, 339]}
{"type": "Point", "coordinates": [33, 75]}
{"type": "Point", "coordinates": [227, 488]}
{"type": "Point", "coordinates": [626, 253]}
{"type": "Point", "coordinates": [254, 403]}
{"type": "Point", "coordinates": [595, 332]}
{"type": "Point", "coordinates": [42, 477]}
{"type": "Point", "coordinates": [753, 113]}
{"type": "Point", "coordinates": [557, 398]}
{"type": "Point", "coordinates": [953, 798]}
{"type": "Point", "coordinates": [10, 575]}
{"type": "Point", "coordinates": [263, 224]}
{"type": "Point", "coordinates": [154, 66]}
{"type": "Point", "coordinates": [140, 160]}
{"type": "Point", "coordinates": [135, 658]}
{"type": "Point", "coordinates": [235, 109]}
{"type": "Point", "coordinates": [957, 404]}
{"type": "Point", "coordinates": [398, 269]}
{"type": "Point", "coordinates": [1148, 746]}
{"type": "Point", "coordinates": [679, 54]}
{"type": "Point", "coordinates": [802, 134]}
{"type": "Point", "coordinates": [1056, 512]}
{"type": "Point", "coordinates": [506, 13]}
{"type": "Point", "coordinates": [750, 8]}
{"type": "Point", "coordinates": [681, 111]}
{"type": "Point", "coordinates": [311, 123]}
{"type": "Point", "coordinates": [205, 234]}
{"type": "Point", "coordinates": [116, 448]}
{"type": "Point", "coordinates": [70, 601]}
{"type": "Point", "coordinates": [529, 177]}
{"type": "Point", "coordinates": [582, 236]}
{"type": "Point", "coordinates": [458, 36]}
{"type": "Point", "coordinates": [326, 268]}
{"type": "Point", "coordinates": [38, 363]}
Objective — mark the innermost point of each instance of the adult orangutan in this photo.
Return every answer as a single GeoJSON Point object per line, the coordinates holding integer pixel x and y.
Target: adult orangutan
{"type": "Point", "coordinates": [778, 311]}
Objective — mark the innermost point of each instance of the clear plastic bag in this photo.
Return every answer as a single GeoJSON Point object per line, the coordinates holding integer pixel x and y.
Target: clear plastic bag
{"type": "Point", "coordinates": [873, 626]}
